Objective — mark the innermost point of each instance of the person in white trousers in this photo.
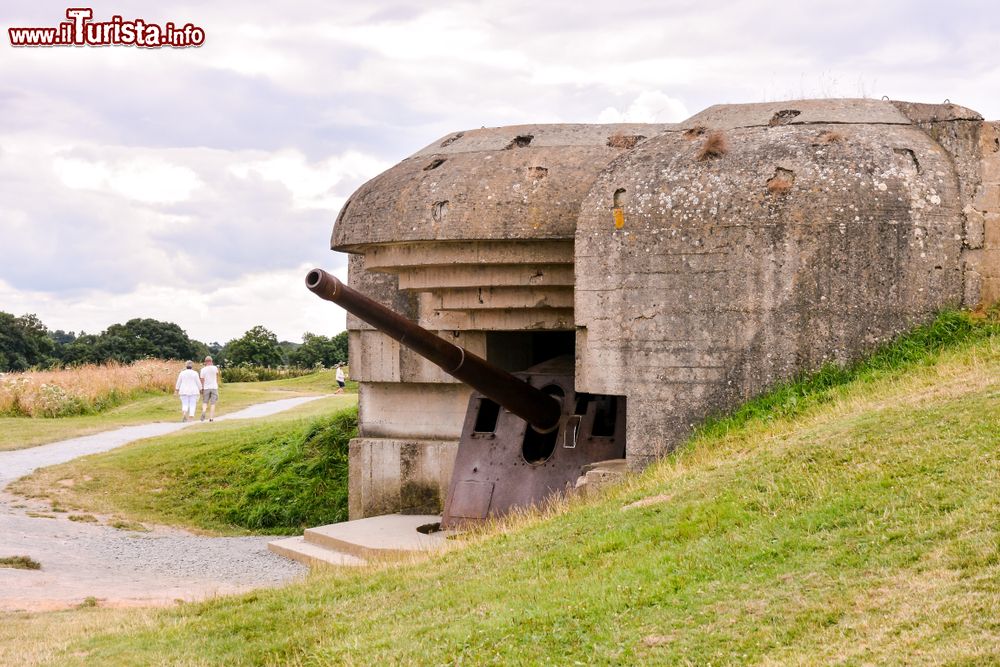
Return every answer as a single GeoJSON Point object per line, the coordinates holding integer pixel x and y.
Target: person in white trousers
{"type": "Point", "coordinates": [188, 387]}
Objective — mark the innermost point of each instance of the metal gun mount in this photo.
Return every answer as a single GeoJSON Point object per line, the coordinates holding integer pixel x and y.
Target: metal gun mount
{"type": "Point", "coordinates": [526, 436]}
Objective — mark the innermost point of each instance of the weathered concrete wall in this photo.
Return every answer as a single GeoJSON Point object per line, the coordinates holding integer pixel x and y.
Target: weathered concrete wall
{"type": "Point", "coordinates": [389, 475]}
{"type": "Point", "coordinates": [473, 234]}
{"type": "Point", "coordinates": [693, 278]}
{"type": "Point", "coordinates": [810, 238]}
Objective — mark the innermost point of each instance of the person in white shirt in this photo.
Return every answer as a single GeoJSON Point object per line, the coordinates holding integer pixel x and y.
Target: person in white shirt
{"type": "Point", "coordinates": [188, 387]}
{"type": "Point", "coordinates": [340, 379]}
{"type": "Point", "coordinates": [210, 388]}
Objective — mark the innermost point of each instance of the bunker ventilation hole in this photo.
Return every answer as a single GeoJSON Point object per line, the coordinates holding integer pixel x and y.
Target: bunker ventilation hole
{"type": "Point", "coordinates": [452, 139]}
{"type": "Point", "coordinates": [537, 173]}
{"type": "Point", "coordinates": [487, 416]}
{"type": "Point", "coordinates": [627, 141]}
{"type": "Point", "coordinates": [695, 132]}
{"type": "Point", "coordinates": [537, 448]}
{"type": "Point", "coordinates": [434, 164]}
{"type": "Point", "coordinates": [439, 210]}
{"type": "Point", "coordinates": [906, 159]}
{"type": "Point", "coordinates": [605, 417]}
{"type": "Point", "coordinates": [620, 198]}
{"type": "Point", "coordinates": [783, 117]}
{"type": "Point", "coordinates": [715, 146]}
{"type": "Point", "coordinates": [618, 201]}
{"type": "Point", "coordinates": [520, 141]}
{"type": "Point", "coordinates": [781, 183]}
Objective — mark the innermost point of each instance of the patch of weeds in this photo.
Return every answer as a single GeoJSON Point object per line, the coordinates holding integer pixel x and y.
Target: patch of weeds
{"type": "Point", "coordinates": [20, 563]}
{"type": "Point", "coordinates": [134, 526]}
{"type": "Point", "coordinates": [715, 146]}
{"type": "Point", "coordinates": [89, 602]}
{"type": "Point", "coordinates": [83, 518]}
{"type": "Point", "coordinates": [40, 515]}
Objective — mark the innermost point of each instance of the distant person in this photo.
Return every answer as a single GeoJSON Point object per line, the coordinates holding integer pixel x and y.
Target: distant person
{"type": "Point", "coordinates": [188, 387]}
{"type": "Point", "coordinates": [210, 388]}
{"type": "Point", "coordinates": [341, 379]}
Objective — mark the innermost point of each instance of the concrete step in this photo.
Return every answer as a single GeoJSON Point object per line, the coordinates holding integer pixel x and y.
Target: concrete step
{"type": "Point", "coordinates": [388, 537]}
{"type": "Point", "coordinates": [298, 549]}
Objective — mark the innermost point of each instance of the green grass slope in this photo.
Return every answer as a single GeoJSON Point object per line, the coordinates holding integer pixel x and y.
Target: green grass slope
{"type": "Point", "coordinates": [846, 523]}
{"type": "Point", "coordinates": [278, 475]}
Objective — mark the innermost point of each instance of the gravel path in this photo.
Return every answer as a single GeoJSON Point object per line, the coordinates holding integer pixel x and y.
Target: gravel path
{"type": "Point", "coordinates": [118, 567]}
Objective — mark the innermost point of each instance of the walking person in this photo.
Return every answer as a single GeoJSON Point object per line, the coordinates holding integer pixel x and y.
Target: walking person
{"type": "Point", "coordinates": [340, 379]}
{"type": "Point", "coordinates": [188, 387]}
{"type": "Point", "coordinates": [209, 388]}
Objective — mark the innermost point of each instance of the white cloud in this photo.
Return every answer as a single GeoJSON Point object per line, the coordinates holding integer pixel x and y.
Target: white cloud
{"type": "Point", "coordinates": [312, 185]}
{"type": "Point", "coordinates": [149, 180]}
{"type": "Point", "coordinates": [651, 106]}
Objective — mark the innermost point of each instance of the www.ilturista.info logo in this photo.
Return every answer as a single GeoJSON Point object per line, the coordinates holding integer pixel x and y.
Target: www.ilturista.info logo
{"type": "Point", "coordinates": [80, 30]}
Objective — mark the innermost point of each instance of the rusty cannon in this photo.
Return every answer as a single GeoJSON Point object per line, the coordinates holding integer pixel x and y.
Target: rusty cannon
{"type": "Point", "coordinates": [526, 435]}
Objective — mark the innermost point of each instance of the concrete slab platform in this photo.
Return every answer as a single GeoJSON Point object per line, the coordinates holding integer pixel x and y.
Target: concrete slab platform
{"type": "Point", "coordinates": [392, 536]}
{"type": "Point", "coordinates": [297, 549]}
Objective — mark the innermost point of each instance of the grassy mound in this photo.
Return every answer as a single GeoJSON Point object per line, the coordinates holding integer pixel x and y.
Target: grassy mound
{"type": "Point", "coordinates": [278, 476]}
{"type": "Point", "coordinates": [855, 524]}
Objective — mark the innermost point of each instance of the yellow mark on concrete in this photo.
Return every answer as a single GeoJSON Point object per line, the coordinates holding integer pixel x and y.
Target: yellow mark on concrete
{"type": "Point", "coordinates": [619, 217]}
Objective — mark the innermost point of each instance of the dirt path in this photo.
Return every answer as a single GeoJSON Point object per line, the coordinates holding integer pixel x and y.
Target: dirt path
{"type": "Point", "coordinates": [117, 567]}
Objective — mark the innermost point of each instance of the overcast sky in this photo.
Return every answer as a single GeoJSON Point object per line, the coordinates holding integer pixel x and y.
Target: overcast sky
{"type": "Point", "coordinates": [198, 185]}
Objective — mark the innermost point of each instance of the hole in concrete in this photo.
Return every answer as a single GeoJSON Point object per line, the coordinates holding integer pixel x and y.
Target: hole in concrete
{"type": "Point", "coordinates": [606, 417]}
{"type": "Point", "coordinates": [781, 182]}
{"type": "Point", "coordinates": [996, 145]}
{"type": "Point", "coordinates": [452, 139]}
{"type": "Point", "coordinates": [906, 159]}
{"type": "Point", "coordinates": [487, 416]}
{"type": "Point", "coordinates": [537, 172]}
{"type": "Point", "coordinates": [429, 528]}
{"type": "Point", "coordinates": [520, 141]}
{"type": "Point", "coordinates": [783, 117]}
{"type": "Point", "coordinates": [434, 164]}
{"type": "Point", "coordinates": [439, 210]}
{"type": "Point", "coordinates": [628, 141]}
{"type": "Point", "coordinates": [620, 198]}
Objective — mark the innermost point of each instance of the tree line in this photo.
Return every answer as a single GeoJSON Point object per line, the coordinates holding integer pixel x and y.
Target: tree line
{"type": "Point", "coordinates": [25, 343]}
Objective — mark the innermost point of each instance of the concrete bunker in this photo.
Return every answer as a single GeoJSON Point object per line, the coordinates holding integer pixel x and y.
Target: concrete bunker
{"type": "Point", "coordinates": [647, 276]}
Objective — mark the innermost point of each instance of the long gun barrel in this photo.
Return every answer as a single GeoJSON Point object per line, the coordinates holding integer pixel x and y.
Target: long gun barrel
{"type": "Point", "coordinates": [536, 407]}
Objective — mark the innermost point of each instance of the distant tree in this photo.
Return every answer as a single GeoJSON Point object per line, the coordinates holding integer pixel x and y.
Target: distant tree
{"type": "Point", "coordinates": [288, 348]}
{"type": "Point", "coordinates": [60, 337]}
{"type": "Point", "coordinates": [145, 337]}
{"type": "Point", "coordinates": [257, 347]}
{"type": "Point", "coordinates": [24, 342]}
{"type": "Point", "coordinates": [320, 350]}
{"type": "Point", "coordinates": [82, 350]}
{"type": "Point", "coordinates": [136, 339]}
{"type": "Point", "coordinates": [217, 351]}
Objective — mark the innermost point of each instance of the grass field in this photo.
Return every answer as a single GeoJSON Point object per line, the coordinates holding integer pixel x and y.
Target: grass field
{"type": "Point", "coordinates": [273, 476]}
{"type": "Point", "coordinates": [21, 432]}
{"type": "Point", "coordinates": [858, 524]}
